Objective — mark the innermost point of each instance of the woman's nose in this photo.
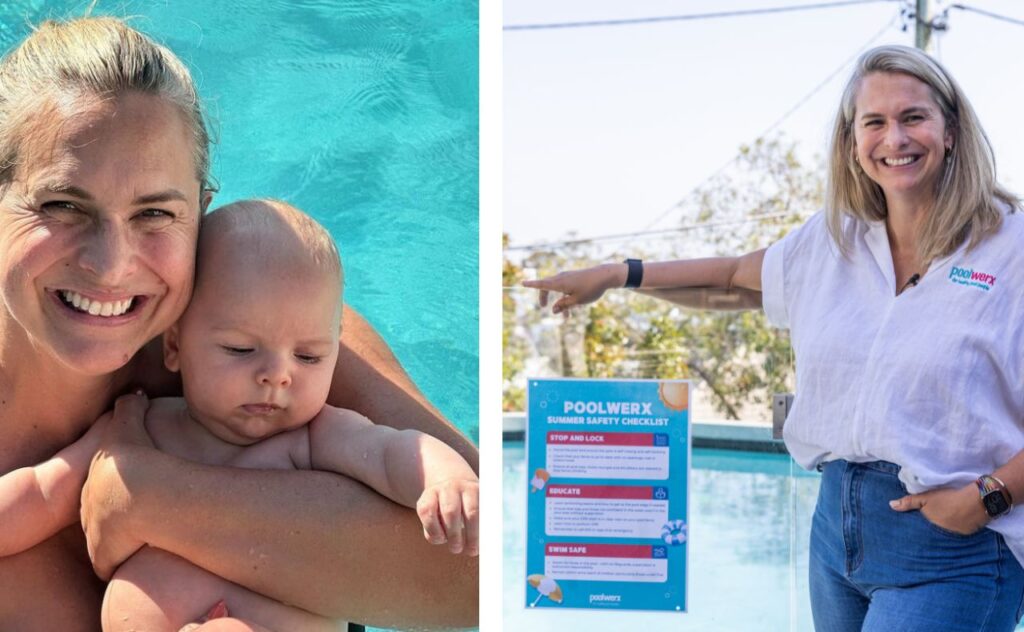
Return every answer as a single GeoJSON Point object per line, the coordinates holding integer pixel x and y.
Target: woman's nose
{"type": "Point", "coordinates": [108, 253]}
{"type": "Point", "coordinates": [896, 136]}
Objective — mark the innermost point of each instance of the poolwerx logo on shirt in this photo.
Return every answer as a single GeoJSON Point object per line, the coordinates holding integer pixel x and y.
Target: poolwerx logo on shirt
{"type": "Point", "coordinates": [967, 276]}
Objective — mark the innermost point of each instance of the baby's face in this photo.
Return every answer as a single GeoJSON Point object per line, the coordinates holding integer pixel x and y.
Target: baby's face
{"type": "Point", "coordinates": [257, 346]}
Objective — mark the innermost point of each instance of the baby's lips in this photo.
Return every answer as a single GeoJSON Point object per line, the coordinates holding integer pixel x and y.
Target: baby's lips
{"type": "Point", "coordinates": [218, 611]}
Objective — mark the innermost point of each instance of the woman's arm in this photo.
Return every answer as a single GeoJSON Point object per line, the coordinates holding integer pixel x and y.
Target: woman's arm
{"type": "Point", "coordinates": [961, 509]}
{"type": "Point", "coordinates": [579, 287]}
{"type": "Point", "coordinates": [311, 539]}
{"type": "Point", "coordinates": [708, 298]}
{"type": "Point", "coordinates": [37, 502]}
{"type": "Point", "coordinates": [369, 379]}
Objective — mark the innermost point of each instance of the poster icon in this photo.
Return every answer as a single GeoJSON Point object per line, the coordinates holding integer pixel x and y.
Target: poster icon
{"type": "Point", "coordinates": [539, 480]}
{"type": "Point", "coordinates": [674, 532]}
{"type": "Point", "coordinates": [675, 395]}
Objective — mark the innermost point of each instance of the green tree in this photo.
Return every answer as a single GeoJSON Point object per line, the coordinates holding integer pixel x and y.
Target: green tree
{"type": "Point", "coordinates": [736, 355]}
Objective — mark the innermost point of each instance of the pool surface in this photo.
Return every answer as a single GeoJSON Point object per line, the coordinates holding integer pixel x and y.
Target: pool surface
{"type": "Point", "coordinates": [749, 527]}
{"type": "Point", "coordinates": [364, 114]}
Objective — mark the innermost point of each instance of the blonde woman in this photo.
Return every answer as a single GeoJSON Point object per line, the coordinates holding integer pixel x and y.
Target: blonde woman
{"type": "Point", "coordinates": [904, 300]}
{"type": "Point", "coordinates": [104, 164]}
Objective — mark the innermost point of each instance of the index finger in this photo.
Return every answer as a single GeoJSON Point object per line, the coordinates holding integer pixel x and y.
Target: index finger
{"type": "Point", "coordinates": [538, 284]}
{"type": "Point", "coordinates": [546, 286]}
{"type": "Point", "coordinates": [471, 514]}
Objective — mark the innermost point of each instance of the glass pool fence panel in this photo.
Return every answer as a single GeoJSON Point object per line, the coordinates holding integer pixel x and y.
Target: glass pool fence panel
{"type": "Point", "coordinates": [750, 505]}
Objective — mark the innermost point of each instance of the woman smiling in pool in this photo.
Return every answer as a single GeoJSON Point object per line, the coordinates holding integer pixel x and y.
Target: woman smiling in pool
{"type": "Point", "coordinates": [103, 178]}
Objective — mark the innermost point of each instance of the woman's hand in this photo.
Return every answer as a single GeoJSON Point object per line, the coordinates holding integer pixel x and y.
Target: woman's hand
{"type": "Point", "coordinates": [579, 287]}
{"type": "Point", "coordinates": [957, 510]}
{"type": "Point", "coordinates": [106, 497]}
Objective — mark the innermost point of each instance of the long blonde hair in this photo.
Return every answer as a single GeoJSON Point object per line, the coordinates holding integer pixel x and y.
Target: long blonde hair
{"type": "Point", "coordinates": [98, 57]}
{"type": "Point", "coordinates": [967, 199]}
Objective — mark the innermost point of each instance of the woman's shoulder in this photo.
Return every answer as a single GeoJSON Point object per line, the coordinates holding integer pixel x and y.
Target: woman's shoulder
{"type": "Point", "coordinates": [812, 237]}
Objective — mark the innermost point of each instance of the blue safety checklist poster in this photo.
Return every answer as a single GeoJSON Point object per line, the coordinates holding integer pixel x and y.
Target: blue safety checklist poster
{"type": "Point", "coordinates": [608, 464]}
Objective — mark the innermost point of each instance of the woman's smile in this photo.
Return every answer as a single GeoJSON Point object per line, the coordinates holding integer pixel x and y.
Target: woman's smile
{"type": "Point", "coordinates": [90, 309]}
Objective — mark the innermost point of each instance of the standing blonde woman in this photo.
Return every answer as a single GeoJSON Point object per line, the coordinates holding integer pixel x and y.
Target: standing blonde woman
{"type": "Point", "coordinates": [104, 166]}
{"type": "Point", "coordinates": [905, 299]}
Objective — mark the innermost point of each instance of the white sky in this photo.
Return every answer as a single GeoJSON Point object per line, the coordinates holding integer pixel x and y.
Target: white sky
{"type": "Point", "coordinates": [606, 128]}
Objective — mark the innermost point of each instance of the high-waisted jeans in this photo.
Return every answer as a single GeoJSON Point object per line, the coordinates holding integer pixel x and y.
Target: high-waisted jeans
{"type": "Point", "coordinates": [876, 569]}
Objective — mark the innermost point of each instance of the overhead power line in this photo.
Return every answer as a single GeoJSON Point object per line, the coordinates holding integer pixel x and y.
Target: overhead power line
{"type": "Point", "coordinates": [684, 18]}
{"type": "Point", "coordinates": [994, 16]}
{"type": "Point", "coordinates": [782, 119]}
{"type": "Point", "coordinates": [649, 233]}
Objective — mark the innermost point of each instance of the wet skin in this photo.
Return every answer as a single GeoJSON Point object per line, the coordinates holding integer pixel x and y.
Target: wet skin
{"type": "Point", "coordinates": [104, 205]}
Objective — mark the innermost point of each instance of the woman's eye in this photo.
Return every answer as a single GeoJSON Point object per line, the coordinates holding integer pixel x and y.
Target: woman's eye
{"type": "Point", "coordinates": [61, 208]}
{"type": "Point", "coordinates": [307, 358]}
{"type": "Point", "coordinates": [156, 215]}
{"type": "Point", "coordinates": [236, 350]}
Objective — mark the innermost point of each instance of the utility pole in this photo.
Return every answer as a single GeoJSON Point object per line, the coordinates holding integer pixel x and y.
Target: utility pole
{"type": "Point", "coordinates": [923, 25]}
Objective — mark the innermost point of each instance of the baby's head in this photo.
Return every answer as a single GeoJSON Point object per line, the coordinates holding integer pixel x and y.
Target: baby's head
{"type": "Point", "coordinates": [257, 345]}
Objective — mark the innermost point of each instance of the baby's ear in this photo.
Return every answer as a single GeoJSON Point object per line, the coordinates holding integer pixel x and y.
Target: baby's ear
{"type": "Point", "coordinates": [171, 360]}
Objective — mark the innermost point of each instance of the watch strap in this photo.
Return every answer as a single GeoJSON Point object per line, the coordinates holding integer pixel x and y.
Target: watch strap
{"type": "Point", "coordinates": [635, 273]}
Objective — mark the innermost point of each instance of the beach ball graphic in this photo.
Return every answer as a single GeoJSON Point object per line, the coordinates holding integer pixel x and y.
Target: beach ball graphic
{"type": "Point", "coordinates": [675, 395]}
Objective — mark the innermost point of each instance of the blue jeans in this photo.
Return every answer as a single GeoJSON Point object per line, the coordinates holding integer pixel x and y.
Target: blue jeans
{"type": "Point", "coordinates": [875, 569]}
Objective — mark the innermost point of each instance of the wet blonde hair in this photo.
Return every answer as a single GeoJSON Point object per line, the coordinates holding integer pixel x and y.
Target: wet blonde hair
{"type": "Point", "coordinates": [967, 198]}
{"type": "Point", "coordinates": [89, 58]}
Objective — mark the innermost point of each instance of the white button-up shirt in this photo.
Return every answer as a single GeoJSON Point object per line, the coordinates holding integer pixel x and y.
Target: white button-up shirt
{"type": "Point", "coordinates": [932, 379]}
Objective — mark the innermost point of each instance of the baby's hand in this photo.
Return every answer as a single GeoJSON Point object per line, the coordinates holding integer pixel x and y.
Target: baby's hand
{"type": "Point", "coordinates": [449, 512]}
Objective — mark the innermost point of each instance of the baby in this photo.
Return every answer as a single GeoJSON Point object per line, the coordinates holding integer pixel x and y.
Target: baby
{"type": "Point", "coordinates": [256, 350]}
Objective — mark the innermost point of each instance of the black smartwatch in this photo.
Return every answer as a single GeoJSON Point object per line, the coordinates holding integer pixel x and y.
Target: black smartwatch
{"type": "Point", "coordinates": [994, 495]}
{"type": "Point", "coordinates": [635, 274]}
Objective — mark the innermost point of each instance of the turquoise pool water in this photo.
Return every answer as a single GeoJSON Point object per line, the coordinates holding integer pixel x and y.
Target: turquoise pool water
{"type": "Point", "coordinates": [363, 113]}
{"type": "Point", "coordinates": [749, 526]}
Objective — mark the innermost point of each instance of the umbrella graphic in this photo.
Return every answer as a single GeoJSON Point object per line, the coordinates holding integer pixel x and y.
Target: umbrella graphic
{"type": "Point", "coordinates": [540, 479]}
{"type": "Point", "coordinates": [546, 587]}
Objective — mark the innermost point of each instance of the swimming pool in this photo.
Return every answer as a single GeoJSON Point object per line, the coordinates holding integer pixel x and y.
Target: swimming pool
{"type": "Point", "coordinates": [749, 527]}
{"type": "Point", "coordinates": [363, 113]}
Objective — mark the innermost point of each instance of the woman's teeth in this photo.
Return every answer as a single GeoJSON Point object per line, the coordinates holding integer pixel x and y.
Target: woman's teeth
{"type": "Point", "coordinates": [94, 307]}
{"type": "Point", "coordinates": [899, 162]}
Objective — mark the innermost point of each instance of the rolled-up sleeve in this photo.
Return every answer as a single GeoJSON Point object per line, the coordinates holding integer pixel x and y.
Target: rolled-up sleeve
{"type": "Point", "coordinates": [773, 284]}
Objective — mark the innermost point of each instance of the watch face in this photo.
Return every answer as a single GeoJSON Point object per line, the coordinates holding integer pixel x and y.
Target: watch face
{"type": "Point", "coordinates": [995, 504]}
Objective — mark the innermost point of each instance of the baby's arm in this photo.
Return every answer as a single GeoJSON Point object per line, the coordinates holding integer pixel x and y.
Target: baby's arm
{"type": "Point", "coordinates": [409, 467]}
{"type": "Point", "coordinates": [37, 502]}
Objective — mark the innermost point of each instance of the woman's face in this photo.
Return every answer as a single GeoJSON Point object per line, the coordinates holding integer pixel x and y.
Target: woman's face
{"type": "Point", "coordinates": [98, 231]}
{"type": "Point", "coordinates": [901, 136]}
